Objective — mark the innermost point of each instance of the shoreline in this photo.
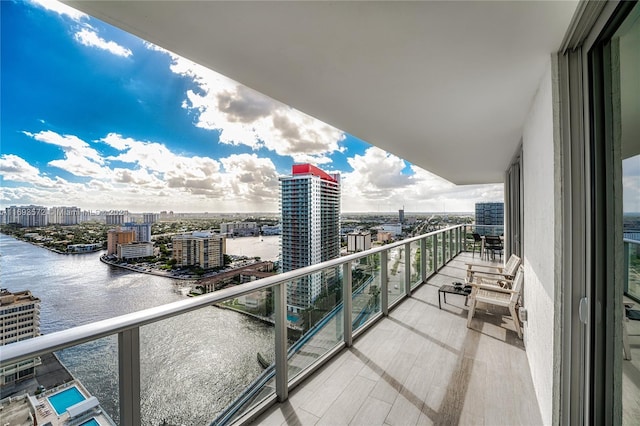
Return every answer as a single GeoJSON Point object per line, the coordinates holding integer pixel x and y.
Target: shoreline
{"type": "Point", "coordinates": [264, 320]}
{"type": "Point", "coordinates": [152, 272]}
{"type": "Point", "coordinates": [49, 248]}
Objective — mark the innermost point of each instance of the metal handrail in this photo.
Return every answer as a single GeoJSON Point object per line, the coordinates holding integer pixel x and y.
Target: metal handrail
{"type": "Point", "coordinates": [41, 345]}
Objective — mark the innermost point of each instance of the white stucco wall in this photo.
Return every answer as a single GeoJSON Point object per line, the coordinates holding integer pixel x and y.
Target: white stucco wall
{"type": "Point", "coordinates": [539, 241]}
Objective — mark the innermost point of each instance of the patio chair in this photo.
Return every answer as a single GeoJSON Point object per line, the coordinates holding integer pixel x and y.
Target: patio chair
{"type": "Point", "coordinates": [493, 244]}
{"type": "Point", "coordinates": [501, 274]}
{"type": "Point", "coordinates": [495, 295]}
{"type": "Point", "coordinates": [477, 241]}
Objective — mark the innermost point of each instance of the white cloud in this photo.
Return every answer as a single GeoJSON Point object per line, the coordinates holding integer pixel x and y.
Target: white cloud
{"type": "Point", "coordinates": [246, 117]}
{"type": "Point", "coordinates": [61, 9]}
{"type": "Point", "coordinates": [79, 158]}
{"type": "Point", "coordinates": [17, 169]}
{"type": "Point", "coordinates": [251, 178]}
{"type": "Point", "coordinates": [379, 183]}
{"type": "Point", "coordinates": [91, 39]}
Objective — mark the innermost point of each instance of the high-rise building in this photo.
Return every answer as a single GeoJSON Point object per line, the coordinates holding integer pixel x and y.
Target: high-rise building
{"type": "Point", "coordinates": [119, 236]}
{"type": "Point", "coordinates": [310, 219]}
{"type": "Point", "coordinates": [65, 215]}
{"type": "Point", "coordinates": [150, 217]}
{"type": "Point", "coordinates": [27, 216]}
{"type": "Point", "coordinates": [20, 320]}
{"type": "Point", "coordinates": [202, 249]}
{"type": "Point", "coordinates": [116, 217]}
{"type": "Point", "coordinates": [489, 213]}
{"type": "Point", "coordinates": [142, 230]}
{"type": "Point", "coordinates": [401, 215]}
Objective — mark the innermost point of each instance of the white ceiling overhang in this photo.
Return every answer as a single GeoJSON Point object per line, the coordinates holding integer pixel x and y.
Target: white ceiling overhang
{"type": "Point", "coordinates": [444, 85]}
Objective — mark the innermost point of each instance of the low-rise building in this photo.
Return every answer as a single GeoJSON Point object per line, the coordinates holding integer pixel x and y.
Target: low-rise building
{"type": "Point", "coordinates": [134, 250]}
{"type": "Point", "coordinates": [241, 229]}
{"type": "Point", "coordinates": [271, 229]}
{"type": "Point", "coordinates": [384, 236]}
{"type": "Point", "coordinates": [83, 248]}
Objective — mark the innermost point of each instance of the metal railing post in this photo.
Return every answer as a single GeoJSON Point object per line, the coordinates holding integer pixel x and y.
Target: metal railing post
{"type": "Point", "coordinates": [434, 244]}
{"type": "Point", "coordinates": [384, 282]}
{"type": "Point", "coordinates": [282, 370]}
{"type": "Point", "coordinates": [407, 269]}
{"type": "Point", "coordinates": [444, 250]}
{"type": "Point", "coordinates": [129, 376]}
{"type": "Point", "coordinates": [347, 297]}
{"type": "Point", "coordinates": [423, 259]}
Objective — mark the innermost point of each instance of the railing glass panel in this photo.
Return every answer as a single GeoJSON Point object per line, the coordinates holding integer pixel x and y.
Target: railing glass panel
{"type": "Point", "coordinates": [447, 245]}
{"type": "Point", "coordinates": [315, 326]}
{"type": "Point", "coordinates": [632, 260]}
{"type": "Point", "coordinates": [366, 287]}
{"type": "Point", "coordinates": [440, 258]}
{"type": "Point", "coordinates": [87, 363]}
{"type": "Point", "coordinates": [415, 261]}
{"type": "Point", "coordinates": [215, 352]}
{"type": "Point", "coordinates": [430, 241]}
{"type": "Point", "coordinates": [396, 277]}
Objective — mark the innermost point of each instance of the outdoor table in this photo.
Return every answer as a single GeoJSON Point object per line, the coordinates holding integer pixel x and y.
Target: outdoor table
{"type": "Point", "coordinates": [452, 290]}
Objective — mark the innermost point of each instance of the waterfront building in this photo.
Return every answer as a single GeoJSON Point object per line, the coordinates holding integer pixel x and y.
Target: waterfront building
{"type": "Point", "coordinates": [83, 248]}
{"type": "Point", "coordinates": [134, 250]}
{"type": "Point", "coordinates": [19, 320]}
{"type": "Point", "coordinates": [241, 229]}
{"type": "Point", "coordinates": [203, 249]}
{"type": "Point", "coordinates": [271, 229]}
{"type": "Point", "coordinates": [65, 215]}
{"type": "Point", "coordinates": [27, 216]}
{"type": "Point", "coordinates": [142, 230]}
{"type": "Point", "coordinates": [310, 220]}
{"type": "Point", "coordinates": [401, 215]}
{"type": "Point", "coordinates": [119, 236]}
{"type": "Point", "coordinates": [150, 217]}
{"type": "Point", "coordinates": [3, 217]}
{"type": "Point", "coordinates": [358, 241]}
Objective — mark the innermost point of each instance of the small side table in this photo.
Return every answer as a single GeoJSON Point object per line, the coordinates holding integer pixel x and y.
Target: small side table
{"type": "Point", "coordinates": [452, 290]}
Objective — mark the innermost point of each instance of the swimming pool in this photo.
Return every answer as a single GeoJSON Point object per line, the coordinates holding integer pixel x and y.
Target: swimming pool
{"type": "Point", "coordinates": [91, 422]}
{"type": "Point", "coordinates": [65, 399]}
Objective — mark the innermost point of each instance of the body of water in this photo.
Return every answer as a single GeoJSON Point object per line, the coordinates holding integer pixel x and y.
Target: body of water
{"type": "Point", "coordinates": [267, 248]}
{"type": "Point", "coordinates": [192, 365]}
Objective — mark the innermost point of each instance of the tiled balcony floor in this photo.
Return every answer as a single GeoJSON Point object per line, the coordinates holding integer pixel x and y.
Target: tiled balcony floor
{"type": "Point", "coordinates": [420, 366]}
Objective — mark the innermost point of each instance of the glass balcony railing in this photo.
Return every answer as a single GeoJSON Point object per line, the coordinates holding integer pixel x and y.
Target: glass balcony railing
{"type": "Point", "coordinates": [632, 269]}
{"type": "Point", "coordinates": [313, 312]}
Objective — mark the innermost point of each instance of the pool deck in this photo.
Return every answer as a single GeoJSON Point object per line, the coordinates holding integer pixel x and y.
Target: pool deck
{"type": "Point", "coordinates": [46, 413]}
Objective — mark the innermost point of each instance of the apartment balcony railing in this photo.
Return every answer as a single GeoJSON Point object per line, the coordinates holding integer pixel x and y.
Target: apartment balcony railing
{"type": "Point", "coordinates": [632, 269]}
{"type": "Point", "coordinates": [355, 291]}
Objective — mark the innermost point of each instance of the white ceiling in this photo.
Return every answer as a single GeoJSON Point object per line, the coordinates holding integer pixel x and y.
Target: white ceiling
{"type": "Point", "coordinates": [444, 85]}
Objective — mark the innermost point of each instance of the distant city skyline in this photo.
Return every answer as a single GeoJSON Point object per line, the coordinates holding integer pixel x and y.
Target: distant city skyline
{"type": "Point", "coordinates": [97, 118]}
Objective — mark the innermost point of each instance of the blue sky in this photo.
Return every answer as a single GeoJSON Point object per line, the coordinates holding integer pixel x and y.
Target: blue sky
{"type": "Point", "coordinates": [97, 118]}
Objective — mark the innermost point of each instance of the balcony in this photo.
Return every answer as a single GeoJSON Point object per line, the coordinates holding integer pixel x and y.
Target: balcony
{"type": "Point", "coordinates": [382, 342]}
{"type": "Point", "coordinates": [422, 365]}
